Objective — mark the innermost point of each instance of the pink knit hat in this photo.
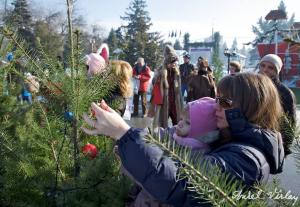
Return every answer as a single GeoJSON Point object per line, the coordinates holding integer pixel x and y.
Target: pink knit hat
{"type": "Point", "coordinates": [202, 116]}
{"type": "Point", "coordinates": [97, 61]}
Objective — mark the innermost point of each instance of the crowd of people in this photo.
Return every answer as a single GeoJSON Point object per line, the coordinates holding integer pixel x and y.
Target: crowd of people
{"type": "Point", "coordinates": [238, 125]}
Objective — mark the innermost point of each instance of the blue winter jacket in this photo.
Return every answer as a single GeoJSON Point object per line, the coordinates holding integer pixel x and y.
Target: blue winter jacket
{"type": "Point", "coordinates": [253, 154]}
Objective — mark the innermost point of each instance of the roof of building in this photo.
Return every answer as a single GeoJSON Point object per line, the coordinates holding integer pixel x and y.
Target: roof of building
{"type": "Point", "coordinates": [276, 14]}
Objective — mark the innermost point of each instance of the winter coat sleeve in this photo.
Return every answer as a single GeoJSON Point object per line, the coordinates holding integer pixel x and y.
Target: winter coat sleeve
{"type": "Point", "coordinates": [154, 171]}
{"type": "Point", "coordinates": [145, 75]}
{"type": "Point", "coordinates": [289, 105]}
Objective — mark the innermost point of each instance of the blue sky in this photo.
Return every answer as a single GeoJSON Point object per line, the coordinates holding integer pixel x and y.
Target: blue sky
{"type": "Point", "coordinates": [232, 18]}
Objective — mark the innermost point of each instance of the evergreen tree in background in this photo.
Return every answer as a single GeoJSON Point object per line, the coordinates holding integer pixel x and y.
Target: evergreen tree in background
{"type": "Point", "coordinates": [20, 19]}
{"type": "Point", "coordinates": [177, 45]}
{"type": "Point", "coordinates": [186, 41]}
{"type": "Point", "coordinates": [112, 40]}
{"type": "Point", "coordinates": [138, 39]}
{"type": "Point", "coordinates": [50, 40]}
{"type": "Point", "coordinates": [216, 61]}
{"type": "Point", "coordinates": [264, 30]}
{"type": "Point", "coordinates": [153, 53]}
{"type": "Point", "coordinates": [234, 45]}
{"type": "Point", "coordinates": [21, 16]}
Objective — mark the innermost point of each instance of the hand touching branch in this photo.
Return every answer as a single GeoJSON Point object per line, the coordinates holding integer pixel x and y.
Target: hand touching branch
{"type": "Point", "coordinates": [108, 122]}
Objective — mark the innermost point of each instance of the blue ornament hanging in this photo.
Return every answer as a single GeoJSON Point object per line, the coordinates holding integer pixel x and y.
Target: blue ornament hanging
{"type": "Point", "coordinates": [27, 96]}
{"type": "Point", "coordinates": [10, 56]}
{"type": "Point", "coordinates": [69, 116]}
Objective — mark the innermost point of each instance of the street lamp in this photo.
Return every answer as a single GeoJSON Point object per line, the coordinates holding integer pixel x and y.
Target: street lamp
{"type": "Point", "coordinates": [229, 54]}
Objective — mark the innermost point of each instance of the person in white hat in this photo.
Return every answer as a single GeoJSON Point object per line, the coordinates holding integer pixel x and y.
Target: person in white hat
{"type": "Point", "coordinates": [270, 65]}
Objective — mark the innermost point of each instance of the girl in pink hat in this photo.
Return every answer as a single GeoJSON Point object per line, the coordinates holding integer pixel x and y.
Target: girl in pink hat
{"type": "Point", "coordinates": [197, 126]}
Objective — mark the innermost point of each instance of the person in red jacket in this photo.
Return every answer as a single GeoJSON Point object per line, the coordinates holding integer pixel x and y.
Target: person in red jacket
{"type": "Point", "coordinates": [141, 72]}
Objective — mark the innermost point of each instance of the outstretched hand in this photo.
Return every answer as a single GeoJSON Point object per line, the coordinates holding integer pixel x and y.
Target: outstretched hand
{"type": "Point", "coordinates": [108, 122]}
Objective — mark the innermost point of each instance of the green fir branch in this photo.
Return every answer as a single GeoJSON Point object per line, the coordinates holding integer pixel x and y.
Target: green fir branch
{"type": "Point", "coordinates": [29, 54]}
{"type": "Point", "coordinates": [70, 28]}
{"type": "Point", "coordinates": [208, 182]}
{"type": "Point", "coordinates": [184, 156]}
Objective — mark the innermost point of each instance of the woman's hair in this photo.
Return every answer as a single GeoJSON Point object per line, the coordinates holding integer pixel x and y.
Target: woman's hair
{"type": "Point", "coordinates": [202, 63]}
{"type": "Point", "coordinates": [256, 96]}
{"type": "Point", "coordinates": [123, 71]}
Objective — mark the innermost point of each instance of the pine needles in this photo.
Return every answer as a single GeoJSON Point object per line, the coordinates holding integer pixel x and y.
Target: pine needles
{"type": "Point", "coordinates": [209, 184]}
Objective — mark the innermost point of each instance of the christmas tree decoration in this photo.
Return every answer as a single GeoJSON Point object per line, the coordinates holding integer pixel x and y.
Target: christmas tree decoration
{"type": "Point", "coordinates": [69, 116]}
{"type": "Point", "coordinates": [26, 96]}
{"type": "Point", "coordinates": [44, 139]}
{"type": "Point", "coordinates": [89, 150]}
{"type": "Point", "coordinates": [44, 156]}
{"type": "Point", "coordinates": [10, 56]}
{"type": "Point", "coordinates": [32, 83]}
{"type": "Point", "coordinates": [3, 63]}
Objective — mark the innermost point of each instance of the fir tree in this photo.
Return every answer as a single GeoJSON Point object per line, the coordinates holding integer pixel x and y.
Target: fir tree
{"type": "Point", "coordinates": [177, 45]}
{"type": "Point", "coordinates": [138, 39]}
{"type": "Point", "coordinates": [50, 40]}
{"type": "Point", "coordinates": [20, 19]}
{"type": "Point", "coordinates": [234, 45]}
{"type": "Point", "coordinates": [216, 61]}
{"type": "Point", "coordinates": [112, 40]}
{"type": "Point", "coordinates": [154, 51]}
{"type": "Point", "coordinates": [41, 163]}
{"type": "Point", "coordinates": [186, 41]}
{"type": "Point", "coordinates": [21, 16]}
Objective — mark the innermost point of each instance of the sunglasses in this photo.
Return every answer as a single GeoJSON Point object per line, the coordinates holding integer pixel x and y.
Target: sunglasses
{"type": "Point", "coordinates": [224, 102]}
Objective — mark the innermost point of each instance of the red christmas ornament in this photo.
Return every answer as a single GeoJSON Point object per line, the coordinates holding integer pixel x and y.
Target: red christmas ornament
{"type": "Point", "coordinates": [89, 150]}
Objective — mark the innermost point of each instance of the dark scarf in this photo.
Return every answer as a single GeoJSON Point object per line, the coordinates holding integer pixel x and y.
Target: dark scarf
{"type": "Point", "coordinates": [202, 72]}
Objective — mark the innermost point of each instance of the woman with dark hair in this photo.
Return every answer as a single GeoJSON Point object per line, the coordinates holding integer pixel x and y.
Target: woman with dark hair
{"type": "Point", "coordinates": [249, 149]}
